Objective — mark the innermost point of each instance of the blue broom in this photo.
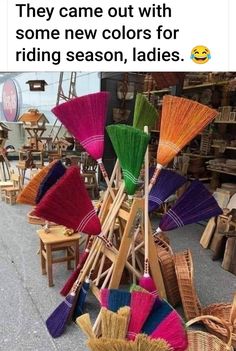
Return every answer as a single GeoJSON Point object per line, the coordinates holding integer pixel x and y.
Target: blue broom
{"type": "Point", "coordinates": [196, 204]}
{"type": "Point", "coordinates": [167, 183]}
{"type": "Point", "coordinates": [118, 298]}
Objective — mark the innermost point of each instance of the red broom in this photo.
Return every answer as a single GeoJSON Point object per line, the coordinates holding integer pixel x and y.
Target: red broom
{"type": "Point", "coordinates": [139, 316]}
{"type": "Point", "coordinates": [146, 281]}
{"type": "Point", "coordinates": [69, 283]}
{"type": "Point", "coordinates": [196, 204]}
{"type": "Point", "coordinates": [181, 120]}
{"type": "Point", "coordinates": [85, 117]}
{"type": "Point", "coordinates": [67, 203]}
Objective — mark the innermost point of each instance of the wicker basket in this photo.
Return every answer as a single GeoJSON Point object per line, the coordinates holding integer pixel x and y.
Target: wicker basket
{"type": "Point", "coordinates": [202, 341]}
{"type": "Point", "coordinates": [184, 272]}
{"type": "Point", "coordinates": [224, 312]}
{"type": "Point", "coordinates": [165, 256]}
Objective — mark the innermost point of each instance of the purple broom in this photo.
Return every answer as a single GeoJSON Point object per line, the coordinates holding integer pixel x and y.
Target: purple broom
{"type": "Point", "coordinates": [167, 183]}
{"type": "Point", "coordinates": [196, 204]}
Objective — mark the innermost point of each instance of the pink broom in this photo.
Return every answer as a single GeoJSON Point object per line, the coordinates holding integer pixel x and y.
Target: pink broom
{"type": "Point", "coordinates": [164, 322]}
{"type": "Point", "coordinates": [139, 315]}
{"type": "Point", "coordinates": [196, 204]}
{"type": "Point", "coordinates": [146, 281]}
{"type": "Point", "coordinates": [85, 117]}
{"type": "Point", "coordinates": [181, 120]}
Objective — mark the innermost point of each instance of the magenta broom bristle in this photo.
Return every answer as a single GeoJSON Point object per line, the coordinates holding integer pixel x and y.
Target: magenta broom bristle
{"type": "Point", "coordinates": [104, 296]}
{"type": "Point", "coordinates": [139, 316]}
{"type": "Point", "coordinates": [167, 183]}
{"type": "Point", "coordinates": [195, 205]}
{"type": "Point", "coordinates": [85, 118]}
{"type": "Point", "coordinates": [67, 203]}
{"type": "Point", "coordinates": [147, 283]}
{"type": "Point", "coordinates": [172, 330]}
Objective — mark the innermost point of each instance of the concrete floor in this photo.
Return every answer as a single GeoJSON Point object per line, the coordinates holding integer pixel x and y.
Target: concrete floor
{"type": "Point", "coordinates": [27, 301]}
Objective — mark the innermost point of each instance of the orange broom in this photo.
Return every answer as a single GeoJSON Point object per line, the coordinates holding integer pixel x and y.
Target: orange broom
{"type": "Point", "coordinates": [182, 119]}
{"type": "Point", "coordinates": [29, 193]}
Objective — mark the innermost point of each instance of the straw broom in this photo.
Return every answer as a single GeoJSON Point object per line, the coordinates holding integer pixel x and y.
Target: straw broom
{"type": "Point", "coordinates": [130, 145]}
{"type": "Point", "coordinates": [29, 193]}
{"type": "Point", "coordinates": [196, 204]}
{"type": "Point", "coordinates": [85, 117]}
{"type": "Point", "coordinates": [145, 114]}
{"type": "Point", "coordinates": [182, 119]}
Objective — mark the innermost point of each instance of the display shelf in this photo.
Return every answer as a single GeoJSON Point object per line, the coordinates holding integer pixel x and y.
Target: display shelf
{"type": "Point", "coordinates": [197, 155]}
{"type": "Point", "coordinates": [227, 147]}
{"type": "Point", "coordinates": [221, 171]}
{"type": "Point", "coordinates": [225, 122]}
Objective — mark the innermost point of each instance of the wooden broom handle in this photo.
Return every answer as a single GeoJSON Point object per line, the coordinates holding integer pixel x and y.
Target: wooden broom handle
{"type": "Point", "coordinates": [217, 320]}
{"type": "Point", "coordinates": [146, 218]}
{"type": "Point", "coordinates": [155, 176]}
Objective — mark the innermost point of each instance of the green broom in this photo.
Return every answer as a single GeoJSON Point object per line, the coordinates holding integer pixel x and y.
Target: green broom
{"type": "Point", "coordinates": [145, 114]}
{"type": "Point", "coordinates": [130, 145]}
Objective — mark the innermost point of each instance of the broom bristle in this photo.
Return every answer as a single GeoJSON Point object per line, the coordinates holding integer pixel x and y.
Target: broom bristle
{"type": "Point", "coordinates": [167, 183]}
{"type": "Point", "coordinates": [104, 296]}
{"type": "Point", "coordinates": [139, 316]}
{"type": "Point", "coordinates": [56, 322]}
{"type": "Point", "coordinates": [173, 331]}
{"type": "Point", "coordinates": [79, 307]}
{"type": "Point", "coordinates": [130, 145]}
{"type": "Point", "coordinates": [55, 173]}
{"type": "Point", "coordinates": [145, 113]}
{"type": "Point", "coordinates": [28, 195]}
{"type": "Point", "coordinates": [147, 283]}
{"type": "Point", "coordinates": [118, 298]}
{"type": "Point", "coordinates": [85, 117]}
{"type": "Point", "coordinates": [144, 342]}
{"type": "Point", "coordinates": [67, 203]}
{"type": "Point", "coordinates": [182, 119]}
{"type": "Point", "coordinates": [196, 204]}
{"type": "Point", "coordinates": [84, 322]}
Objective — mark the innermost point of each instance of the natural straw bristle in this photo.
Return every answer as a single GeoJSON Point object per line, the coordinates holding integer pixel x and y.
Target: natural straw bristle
{"type": "Point", "coordinates": [68, 203]}
{"type": "Point", "coordinates": [181, 120]}
{"type": "Point", "coordinates": [144, 342]}
{"type": "Point", "coordinates": [29, 193]}
{"type": "Point", "coordinates": [145, 113]}
{"type": "Point", "coordinates": [84, 322]}
{"type": "Point", "coordinates": [130, 145]}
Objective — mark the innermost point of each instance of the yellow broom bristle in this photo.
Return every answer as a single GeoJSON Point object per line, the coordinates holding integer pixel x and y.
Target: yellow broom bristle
{"type": "Point", "coordinates": [144, 342]}
{"type": "Point", "coordinates": [114, 326]}
{"type": "Point", "coordinates": [84, 322]}
{"type": "Point", "coordinates": [125, 313]}
{"type": "Point", "coordinates": [28, 194]}
{"type": "Point", "coordinates": [182, 119]}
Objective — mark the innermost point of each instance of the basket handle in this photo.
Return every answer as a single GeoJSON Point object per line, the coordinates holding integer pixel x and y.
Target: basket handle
{"type": "Point", "coordinates": [215, 319]}
{"type": "Point", "coordinates": [232, 317]}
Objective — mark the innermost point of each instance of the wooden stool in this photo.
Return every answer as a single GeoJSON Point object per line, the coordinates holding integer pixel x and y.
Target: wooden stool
{"type": "Point", "coordinates": [55, 240]}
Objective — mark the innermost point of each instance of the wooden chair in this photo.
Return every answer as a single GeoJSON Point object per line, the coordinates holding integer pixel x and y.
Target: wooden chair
{"type": "Point", "coordinates": [9, 193]}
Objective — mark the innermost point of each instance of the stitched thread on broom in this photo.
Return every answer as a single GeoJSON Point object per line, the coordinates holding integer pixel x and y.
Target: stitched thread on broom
{"type": "Point", "coordinates": [175, 218]}
{"type": "Point", "coordinates": [170, 145]}
{"type": "Point", "coordinates": [155, 199]}
{"type": "Point", "coordinates": [86, 219]}
{"type": "Point", "coordinates": [91, 139]}
{"type": "Point", "coordinates": [130, 176]}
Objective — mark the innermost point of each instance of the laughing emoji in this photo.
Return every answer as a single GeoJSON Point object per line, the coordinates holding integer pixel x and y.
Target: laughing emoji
{"type": "Point", "coordinates": [200, 54]}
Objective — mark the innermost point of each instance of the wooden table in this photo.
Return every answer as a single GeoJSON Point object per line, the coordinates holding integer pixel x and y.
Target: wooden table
{"type": "Point", "coordinates": [56, 240]}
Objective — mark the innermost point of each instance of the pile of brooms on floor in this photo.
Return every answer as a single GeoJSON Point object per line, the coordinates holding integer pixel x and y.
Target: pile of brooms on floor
{"type": "Point", "coordinates": [60, 195]}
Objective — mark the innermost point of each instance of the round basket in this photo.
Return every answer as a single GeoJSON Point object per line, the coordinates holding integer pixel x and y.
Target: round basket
{"type": "Point", "coordinates": [224, 312]}
{"type": "Point", "coordinates": [185, 277]}
{"type": "Point", "coordinates": [202, 341]}
{"type": "Point", "coordinates": [165, 257]}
